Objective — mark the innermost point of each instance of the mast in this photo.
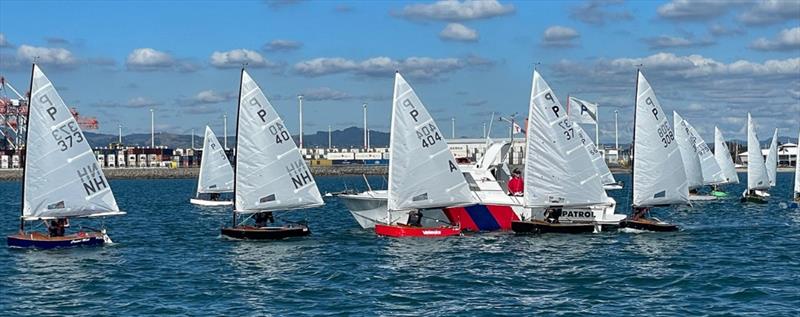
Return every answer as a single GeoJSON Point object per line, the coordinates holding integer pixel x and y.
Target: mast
{"type": "Point", "coordinates": [236, 157]}
{"type": "Point", "coordinates": [633, 143]}
{"type": "Point", "coordinates": [25, 166]}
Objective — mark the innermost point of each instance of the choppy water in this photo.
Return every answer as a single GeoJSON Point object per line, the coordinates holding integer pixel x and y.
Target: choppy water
{"type": "Point", "coordinates": [168, 259]}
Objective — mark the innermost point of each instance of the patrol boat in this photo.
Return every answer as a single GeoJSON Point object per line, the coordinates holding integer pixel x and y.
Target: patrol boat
{"type": "Point", "coordinates": [559, 170]}
{"type": "Point", "coordinates": [658, 173]}
{"type": "Point", "coordinates": [216, 174]}
{"type": "Point", "coordinates": [60, 178]}
{"type": "Point", "coordinates": [270, 175]}
{"type": "Point", "coordinates": [757, 175]}
{"type": "Point", "coordinates": [422, 172]}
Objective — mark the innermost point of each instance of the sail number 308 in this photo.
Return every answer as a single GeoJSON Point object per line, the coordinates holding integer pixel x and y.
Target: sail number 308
{"type": "Point", "coordinates": [666, 134]}
{"type": "Point", "coordinates": [67, 135]}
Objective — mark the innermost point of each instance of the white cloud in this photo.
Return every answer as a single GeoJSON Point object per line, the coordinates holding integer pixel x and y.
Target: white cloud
{"type": "Point", "coordinates": [420, 67]}
{"type": "Point", "coordinates": [458, 32]}
{"type": "Point", "coordinates": [454, 10]}
{"type": "Point", "coordinates": [596, 12]}
{"type": "Point", "coordinates": [770, 12]}
{"type": "Point", "coordinates": [236, 58]}
{"type": "Point", "coordinates": [45, 55]}
{"type": "Point", "coordinates": [3, 41]}
{"type": "Point", "coordinates": [140, 102]}
{"type": "Point", "coordinates": [787, 40]}
{"type": "Point", "coordinates": [146, 59]}
{"type": "Point", "coordinates": [210, 96]}
{"type": "Point", "coordinates": [282, 45]}
{"type": "Point", "coordinates": [665, 41]}
{"type": "Point", "coordinates": [697, 10]}
{"type": "Point", "coordinates": [720, 30]}
{"type": "Point", "coordinates": [559, 36]}
{"type": "Point", "coordinates": [324, 93]}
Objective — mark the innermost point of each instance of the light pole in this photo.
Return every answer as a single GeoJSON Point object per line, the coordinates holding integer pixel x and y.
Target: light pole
{"type": "Point", "coordinates": [329, 136]}
{"type": "Point", "coordinates": [453, 127]}
{"type": "Point", "coordinates": [225, 130]}
{"type": "Point", "coordinates": [366, 134]}
{"type": "Point", "coordinates": [300, 102]}
{"type": "Point", "coordinates": [616, 130]}
{"type": "Point", "coordinates": [192, 139]}
{"type": "Point", "coordinates": [484, 130]}
{"type": "Point", "coordinates": [152, 128]}
{"type": "Point", "coordinates": [119, 125]}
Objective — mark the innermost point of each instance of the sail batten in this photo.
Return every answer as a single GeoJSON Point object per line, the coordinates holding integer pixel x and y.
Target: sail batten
{"type": "Point", "coordinates": [216, 172]}
{"type": "Point", "coordinates": [756, 169]}
{"type": "Point", "coordinates": [270, 171]}
{"type": "Point", "coordinates": [420, 183]}
{"type": "Point", "coordinates": [723, 157]}
{"type": "Point", "coordinates": [659, 176]}
{"type": "Point", "coordinates": [558, 168]}
{"type": "Point", "coordinates": [62, 175]}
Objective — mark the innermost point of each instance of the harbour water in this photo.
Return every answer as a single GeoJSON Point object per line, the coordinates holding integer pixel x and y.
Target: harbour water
{"type": "Point", "coordinates": [168, 258]}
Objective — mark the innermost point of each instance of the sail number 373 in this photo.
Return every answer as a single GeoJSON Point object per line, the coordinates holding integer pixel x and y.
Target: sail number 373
{"type": "Point", "coordinates": [67, 135]}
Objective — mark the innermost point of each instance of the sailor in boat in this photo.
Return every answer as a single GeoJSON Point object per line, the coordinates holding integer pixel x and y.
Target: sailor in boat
{"type": "Point", "coordinates": [552, 214]}
{"type": "Point", "coordinates": [415, 218]}
{"type": "Point", "coordinates": [214, 196]}
{"type": "Point", "coordinates": [56, 228]}
{"type": "Point", "coordinates": [516, 185]}
{"type": "Point", "coordinates": [263, 219]}
{"type": "Point", "coordinates": [640, 214]}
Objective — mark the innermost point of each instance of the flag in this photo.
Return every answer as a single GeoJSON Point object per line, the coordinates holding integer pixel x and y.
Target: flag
{"type": "Point", "coordinates": [582, 111]}
{"type": "Point", "coordinates": [517, 128]}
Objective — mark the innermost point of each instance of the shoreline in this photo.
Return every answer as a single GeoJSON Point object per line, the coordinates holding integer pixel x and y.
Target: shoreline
{"type": "Point", "coordinates": [192, 172]}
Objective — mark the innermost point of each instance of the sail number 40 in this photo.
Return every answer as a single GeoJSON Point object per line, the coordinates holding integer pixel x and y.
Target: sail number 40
{"type": "Point", "coordinates": [279, 132]}
{"type": "Point", "coordinates": [67, 135]}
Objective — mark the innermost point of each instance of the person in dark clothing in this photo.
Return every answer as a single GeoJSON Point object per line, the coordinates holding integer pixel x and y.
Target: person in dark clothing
{"type": "Point", "coordinates": [515, 184]}
{"type": "Point", "coordinates": [214, 196]}
{"type": "Point", "coordinates": [639, 214]}
{"type": "Point", "coordinates": [263, 219]}
{"type": "Point", "coordinates": [415, 218]}
{"type": "Point", "coordinates": [56, 227]}
{"type": "Point", "coordinates": [551, 215]}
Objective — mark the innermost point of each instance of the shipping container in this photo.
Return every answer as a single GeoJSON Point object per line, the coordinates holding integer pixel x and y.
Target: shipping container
{"type": "Point", "coordinates": [344, 162]}
{"type": "Point", "coordinates": [132, 160]}
{"type": "Point", "coordinates": [111, 160]}
{"type": "Point", "coordinates": [375, 162]}
{"type": "Point", "coordinates": [15, 161]}
{"type": "Point", "coordinates": [4, 161]}
{"type": "Point", "coordinates": [386, 155]}
{"type": "Point", "coordinates": [101, 160]}
{"type": "Point", "coordinates": [321, 162]}
{"type": "Point", "coordinates": [369, 156]}
{"type": "Point", "coordinates": [121, 160]}
{"type": "Point", "coordinates": [142, 160]}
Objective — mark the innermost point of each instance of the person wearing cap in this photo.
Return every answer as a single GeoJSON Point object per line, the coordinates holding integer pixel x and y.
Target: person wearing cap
{"type": "Point", "coordinates": [515, 184]}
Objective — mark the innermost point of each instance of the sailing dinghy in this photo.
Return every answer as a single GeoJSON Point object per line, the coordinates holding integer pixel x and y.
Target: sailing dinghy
{"type": "Point", "coordinates": [796, 176]}
{"type": "Point", "coordinates": [559, 170]}
{"type": "Point", "coordinates": [723, 157]}
{"type": "Point", "coordinates": [757, 178]}
{"type": "Point", "coordinates": [659, 177]}
{"type": "Point", "coordinates": [270, 174]}
{"type": "Point", "coordinates": [772, 160]}
{"type": "Point", "coordinates": [710, 172]}
{"type": "Point", "coordinates": [61, 177]}
{"type": "Point", "coordinates": [422, 172]}
{"type": "Point", "coordinates": [691, 158]}
{"type": "Point", "coordinates": [216, 174]}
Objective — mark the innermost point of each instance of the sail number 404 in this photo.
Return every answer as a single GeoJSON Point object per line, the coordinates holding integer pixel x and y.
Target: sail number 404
{"type": "Point", "coordinates": [428, 134]}
{"type": "Point", "coordinates": [67, 135]}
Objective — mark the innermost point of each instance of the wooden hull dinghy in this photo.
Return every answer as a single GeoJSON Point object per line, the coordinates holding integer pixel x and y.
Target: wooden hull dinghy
{"type": "Point", "coordinates": [266, 233]}
{"type": "Point", "coordinates": [400, 230]}
{"type": "Point", "coordinates": [648, 225]}
{"type": "Point", "coordinates": [539, 226]}
{"type": "Point", "coordinates": [37, 240]}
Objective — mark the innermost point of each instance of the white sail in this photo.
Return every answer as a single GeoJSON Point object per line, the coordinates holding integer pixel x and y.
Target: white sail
{"type": "Point", "coordinates": [723, 157]}
{"type": "Point", "coordinates": [659, 177]}
{"type": "Point", "coordinates": [772, 159]}
{"type": "Point", "coordinates": [597, 159]}
{"type": "Point", "coordinates": [582, 111]}
{"type": "Point", "coordinates": [422, 171]}
{"type": "Point", "coordinates": [712, 173]}
{"type": "Point", "coordinates": [62, 176]}
{"type": "Point", "coordinates": [797, 168]}
{"type": "Point", "coordinates": [216, 172]}
{"type": "Point", "coordinates": [756, 170]}
{"type": "Point", "coordinates": [686, 143]}
{"type": "Point", "coordinates": [270, 172]}
{"type": "Point", "coordinates": [558, 168]}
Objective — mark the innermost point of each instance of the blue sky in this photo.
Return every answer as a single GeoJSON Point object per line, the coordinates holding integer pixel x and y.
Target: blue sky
{"type": "Point", "coordinates": [710, 61]}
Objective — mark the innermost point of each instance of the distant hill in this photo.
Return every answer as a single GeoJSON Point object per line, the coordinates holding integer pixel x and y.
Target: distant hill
{"type": "Point", "coordinates": [349, 137]}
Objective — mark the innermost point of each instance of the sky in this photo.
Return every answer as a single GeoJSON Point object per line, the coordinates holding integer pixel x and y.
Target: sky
{"type": "Point", "coordinates": [711, 61]}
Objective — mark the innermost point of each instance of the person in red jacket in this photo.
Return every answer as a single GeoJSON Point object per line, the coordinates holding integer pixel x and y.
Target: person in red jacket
{"type": "Point", "coordinates": [516, 185]}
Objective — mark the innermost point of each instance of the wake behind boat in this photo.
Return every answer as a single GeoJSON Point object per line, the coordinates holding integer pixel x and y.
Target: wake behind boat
{"type": "Point", "coordinates": [270, 174]}
{"type": "Point", "coordinates": [61, 176]}
{"type": "Point", "coordinates": [216, 174]}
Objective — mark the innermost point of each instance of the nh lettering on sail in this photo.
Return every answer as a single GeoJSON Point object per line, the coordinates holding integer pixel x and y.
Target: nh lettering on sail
{"type": "Point", "coordinates": [92, 180]}
{"type": "Point", "coordinates": [299, 174]}
{"type": "Point", "coordinates": [261, 112]}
